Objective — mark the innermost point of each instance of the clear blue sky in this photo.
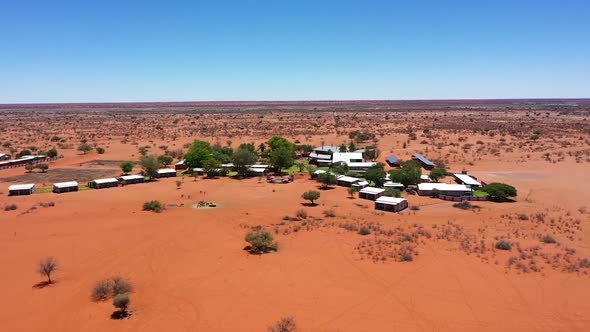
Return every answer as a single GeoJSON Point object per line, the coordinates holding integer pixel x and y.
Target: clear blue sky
{"type": "Point", "coordinates": [99, 51]}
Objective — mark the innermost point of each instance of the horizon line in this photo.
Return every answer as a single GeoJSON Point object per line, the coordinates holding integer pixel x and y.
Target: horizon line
{"type": "Point", "coordinates": [295, 101]}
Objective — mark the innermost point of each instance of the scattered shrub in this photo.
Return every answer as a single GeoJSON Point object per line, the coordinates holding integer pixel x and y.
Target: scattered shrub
{"type": "Point", "coordinates": [155, 206]}
{"type": "Point", "coordinates": [286, 324]}
{"type": "Point", "coordinates": [46, 267]}
{"type": "Point", "coordinates": [414, 207]}
{"type": "Point", "coordinates": [329, 213]}
{"type": "Point", "coordinates": [121, 302]}
{"type": "Point", "coordinates": [311, 196]}
{"type": "Point", "coordinates": [503, 245]}
{"type": "Point", "coordinates": [101, 290]}
{"type": "Point", "coordinates": [364, 230]}
{"type": "Point", "coordinates": [260, 242]}
{"type": "Point", "coordinates": [301, 214]}
{"type": "Point", "coordinates": [548, 239]}
{"type": "Point", "coordinates": [48, 204]}
{"type": "Point", "coordinates": [10, 207]}
{"type": "Point", "coordinates": [121, 285]}
{"type": "Point", "coordinates": [523, 216]}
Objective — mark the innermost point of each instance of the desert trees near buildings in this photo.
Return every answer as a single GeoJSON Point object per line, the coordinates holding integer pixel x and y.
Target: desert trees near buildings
{"type": "Point", "coordinates": [46, 267]}
{"type": "Point", "coordinates": [499, 191]}
{"type": "Point", "coordinates": [376, 174]}
{"type": "Point", "coordinates": [282, 152]}
{"type": "Point", "coordinates": [243, 158]}
{"type": "Point", "coordinates": [438, 173]}
{"type": "Point", "coordinates": [327, 179]}
{"type": "Point", "coordinates": [126, 166]}
{"type": "Point", "coordinates": [150, 165]}
{"type": "Point", "coordinates": [165, 160]}
{"type": "Point", "coordinates": [197, 154]}
{"type": "Point", "coordinates": [211, 167]}
{"type": "Point", "coordinates": [311, 195]}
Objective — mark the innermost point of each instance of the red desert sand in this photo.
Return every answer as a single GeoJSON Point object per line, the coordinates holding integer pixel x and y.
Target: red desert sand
{"type": "Point", "coordinates": [188, 267]}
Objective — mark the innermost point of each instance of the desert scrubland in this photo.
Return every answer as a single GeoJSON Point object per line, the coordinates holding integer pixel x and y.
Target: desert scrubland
{"type": "Point", "coordinates": [188, 267]}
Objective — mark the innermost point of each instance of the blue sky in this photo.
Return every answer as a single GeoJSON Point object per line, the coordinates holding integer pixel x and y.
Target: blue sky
{"type": "Point", "coordinates": [102, 51]}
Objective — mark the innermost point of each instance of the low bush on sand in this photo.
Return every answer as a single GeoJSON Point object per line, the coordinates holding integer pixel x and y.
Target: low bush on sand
{"type": "Point", "coordinates": [155, 206]}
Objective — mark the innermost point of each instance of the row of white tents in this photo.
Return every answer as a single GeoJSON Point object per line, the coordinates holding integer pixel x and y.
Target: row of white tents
{"type": "Point", "coordinates": [69, 186]}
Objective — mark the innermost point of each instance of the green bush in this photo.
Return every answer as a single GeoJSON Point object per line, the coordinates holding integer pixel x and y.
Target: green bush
{"type": "Point", "coordinates": [260, 242]}
{"type": "Point", "coordinates": [121, 301]}
{"type": "Point", "coordinates": [311, 196]}
{"type": "Point", "coordinates": [155, 206]}
{"type": "Point", "coordinates": [499, 191]}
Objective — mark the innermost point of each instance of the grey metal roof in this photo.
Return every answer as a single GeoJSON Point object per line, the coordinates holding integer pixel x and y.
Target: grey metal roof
{"type": "Point", "coordinates": [423, 159]}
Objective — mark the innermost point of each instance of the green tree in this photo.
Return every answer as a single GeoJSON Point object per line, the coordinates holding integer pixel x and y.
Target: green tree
{"type": "Point", "coordinates": [43, 167]}
{"type": "Point", "coordinates": [85, 148]}
{"type": "Point", "coordinates": [121, 302]}
{"type": "Point", "coordinates": [29, 168]}
{"type": "Point", "coordinates": [143, 151]}
{"type": "Point", "coordinates": [327, 179]}
{"type": "Point", "coordinates": [376, 174]}
{"type": "Point", "coordinates": [277, 142]}
{"type": "Point", "coordinates": [165, 160]}
{"type": "Point", "coordinates": [243, 158]}
{"type": "Point", "coordinates": [343, 148]}
{"type": "Point", "coordinates": [301, 165]}
{"type": "Point", "coordinates": [52, 153]}
{"type": "Point", "coordinates": [438, 173]}
{"type": "Point", "coordinates": [311, 195]}
{"type": "Point", "coordinates": [126, 166]}
{"type": "Point", "coordinates": [392, 192]}
{"type": "Point", "coordinates": [150, 165]}
{"type": "Point", "coordinates": [352, 191]}
{"type": "Point", "coordinates": [412, 171]}
{"type": "Point", "coordinates": [197, 153]}
{"type": "Point", "coordinates": [210, 167]}
{"type": "Point", "coordinates": [372, 152]}
{"type": "Point", "coordinates": [282, 157]}
{"type": "Point", "coordinates": [499, 191]}
{"type": "Point", "coordinates": [260, 241]}
{"type": "Point", "coordinates": [351, 146]}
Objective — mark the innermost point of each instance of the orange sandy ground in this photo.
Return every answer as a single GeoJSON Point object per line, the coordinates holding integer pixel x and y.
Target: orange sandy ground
{"type": "Point", "coordinates": [191, 274]}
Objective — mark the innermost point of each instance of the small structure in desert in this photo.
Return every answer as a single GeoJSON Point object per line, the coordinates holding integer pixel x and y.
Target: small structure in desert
{"type": "Point", "coordinates": [346, 181]}
{"type": "Point", "coordinates": [425, 162]}
{"type": "Point", "coordinates": [131, 179]}
{"type": "Point", "coordinates": [103, 183]}
{"type": "Point", "coordinates": [446, 189]}
{"type": "Point", "coordinates": [65, 187]}
{"type": "Point", "coordinates": [393, 204]}
{"type": "Point", "coordinates": [166, 173]}
{"type": "Point", "coordinates": [371, 193]}
{"type": "Point", "coordinates": [467, 180]}
{"type": "Point", "coordinates": [21, 189]}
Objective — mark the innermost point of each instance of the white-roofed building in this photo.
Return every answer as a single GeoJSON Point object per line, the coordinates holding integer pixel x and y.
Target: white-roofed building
{"type": "Point", "coordinates": [346, 181]}
{"type": "Point", "coordinates": [426, 189]}
{"type": "Point", "coordinates": [371, 193]}
{"type": "Point", "coordinates": [466, 180]}
{"type": "Point", "coordinates": [360, 185]}
{"type": "Point", "coordinates": [21, 189]}
{"type": "Point", "coordinates": [395, 185]}
{"type": "Point", "coordinates": [131, 179]}
{"type": "Point", "coordinates": [425, 178]}
{"type": "Point", "coordinates": [181, 165]}
{"type": "Point", "coordinates": [64, 187]}
{"type": "Point", "coordinates": [103, 183]}
{"type": "Point", "coordinates": [393, 204]}
{"type": "Point", "coordinates": [166, 173]}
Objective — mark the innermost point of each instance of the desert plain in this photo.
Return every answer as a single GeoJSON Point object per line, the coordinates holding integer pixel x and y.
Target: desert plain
{"type": "Point", "coordinates": [188, 267]}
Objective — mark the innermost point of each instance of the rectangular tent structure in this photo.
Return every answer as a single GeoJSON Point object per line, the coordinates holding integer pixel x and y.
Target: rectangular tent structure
{"type": "Point", "coordinates": [256, 171]}
{"type": "Point", "coordinates": [346, 181]}
{"type": "Point", "coordinates": [427, 164]}
{"type": "Point", "coordinates": [360, 185]}
{"type": "Point", "coordinates": [371, 193]}
{"type": "Point", "coordinates": [21, 189]}
{"type": "Point", "coordinates": [360, 167]}
{"type": "Point", "coordinates": [426, 189]}
{"type": "Point", "coordinates": [198, 171]}
{"type": "Point", "coordinates": [166, 173]}
{"type": "Point", "coordinates": [180, 166]}
{"type": "Point", "coordinates": [131, 179]}
{"type": "Point", "coordinates": [65, 187]}
{"type": "Point", "coordinates": [393, 204]}
{"type": "Point", "coordinates": [466, 180]}
{"type": "Point", "coordinates": [395, 185]}
{"type": "Point", "coordinates": [103, 183]}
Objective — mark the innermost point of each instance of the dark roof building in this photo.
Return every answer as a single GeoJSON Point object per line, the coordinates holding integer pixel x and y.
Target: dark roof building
{"type": "Point", "coordinates": [427, 164]}
{"type": "Point", "coordinates": [392, 160]}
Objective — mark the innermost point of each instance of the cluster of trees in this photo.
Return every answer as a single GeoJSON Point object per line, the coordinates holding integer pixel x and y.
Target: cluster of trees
{"type": "Point", "coordinates": [43, 167]}
{"type": "Point", "coordinates": [278, 151]}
